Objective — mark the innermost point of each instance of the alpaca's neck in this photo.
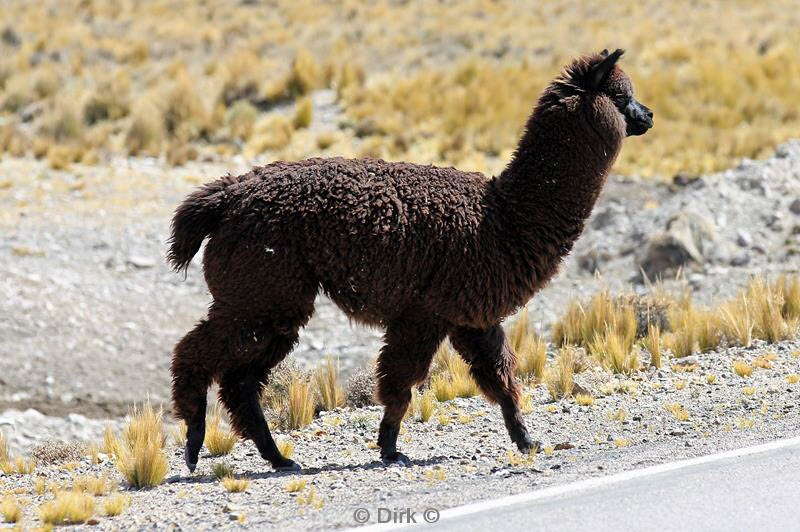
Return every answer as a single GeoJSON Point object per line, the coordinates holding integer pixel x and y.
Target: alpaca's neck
{"type": "Point", "coordinates": [548, 190]}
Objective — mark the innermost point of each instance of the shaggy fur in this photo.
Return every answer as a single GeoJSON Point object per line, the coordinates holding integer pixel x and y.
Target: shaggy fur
{"type": "Point", "coordinates": [421, 251]}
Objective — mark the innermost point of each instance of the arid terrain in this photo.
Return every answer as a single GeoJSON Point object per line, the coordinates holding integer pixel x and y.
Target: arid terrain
{"type": "Point", "coordinates": [109, 116]}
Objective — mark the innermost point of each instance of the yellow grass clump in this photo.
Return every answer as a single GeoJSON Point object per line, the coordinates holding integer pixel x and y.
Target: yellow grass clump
{"type": "Point", "coordinates": [615, 351]}
{"type": "Point", "coordinates": [303, 114]}
{"type": "Point", "coordinates": [652, 342]}
{"type": "Point", "coordinates": [116, 504]}
{"type": "Point", "coordinates": [96, 486]}
{"type": "Point", "coordinates": [295, 485]}
{"type": "Point", "coordinates": [140, 456]}
{"type": "Point", "coordinates": [179, 432]}
{"type": "Point", "coordinates": [680, 413]}
{"type": "Point", "coordinates": [426, 406]}
{"type": "Point", "coordinates": [300, 405]}
{"type": "Point", "coordinates": [530, 349]}
{"type": "Point", "coordinates": [220, 439]}
{"type": "Point", "coordinates": [742, 368]}
{"type": "Point", "coordinates": [451, 377]}
{"type": "Point", "coordinates": [582, 323]}
{"type": "Point", "coordinates": [67, 508]}
{"type": "Point", "coordinates": [584, 399]}
{"type": "Point", "coordinates": [331, 394]}
{"type": "Point", "coordinates": [560, 379]}
{"type": "Point", "coordinates": [285, 447]}
{"type": "Point", "coordinates": [4, 454]}
{"type": "Point", "coordinates": [235, 485]}
{"type": "Point", "coordinates": [11, 510]}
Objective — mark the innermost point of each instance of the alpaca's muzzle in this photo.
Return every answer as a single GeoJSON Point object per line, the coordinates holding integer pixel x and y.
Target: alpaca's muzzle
{"type": "Point", "coordinates": [638, 118]}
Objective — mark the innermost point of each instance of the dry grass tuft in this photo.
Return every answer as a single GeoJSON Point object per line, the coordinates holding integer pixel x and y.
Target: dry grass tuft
{"type": "Point", "coordinates": [652, 342]}
{"type": "Point", "coordinates": [4, 454]}
{"type": "Point", "coordinates": [139, 456]}
{"type": "Point", "coordinates": [560, 379]}
{"type": "Point", "coordinates": [532, 358]}
{"type": "Point", "coordinates": [220, 439]}
{"type": "Point", "coordinates": [451, 377]}
{"type": "Point", "coordinates": [96, 486]}
{"type": "Point", "coordinates": [742, 368]}
{"type": "Point", "coordinates": [615, 351]}
{"type": "Point", "coordinates": [116, 504]}
{"type": "Point", "coordinates": [584, 399]}
{"type": "Point", "coordinates": [426, 406]}
{"type": "Point", "coordinates": [67, 508]}
{"type": "Point", "coordinates": [793, 378]}
{"type": "Point", "coordinates": [582, 324]}
{"type": "Point", "coordinates": [235, 485]}
{"type": "Point", "coordinates": [303, 114]}
{"type": "Point", "coordinates": [286, 447]}
{"type": "Point", "coordinates": [179, 434]}
{"type": "Point", "coordinates": [11, 510]}
{"type": "Point", "coordinates": [296, 485]}
{"type": "Point", "coordinates": [301, 404]}
{"type": "Point", "coordinates": [330, 393]}
{"type": "Point", "coordinates": [222, 470]}
{"type": "Point", "coordinates": [680, 413]}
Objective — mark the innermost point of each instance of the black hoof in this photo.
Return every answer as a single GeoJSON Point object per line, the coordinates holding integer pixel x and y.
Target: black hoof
{"type": "Point", "coordinates": [286, 465]}
{"type": "Point", "coordinates": [191, 465]}
{"type": "Point", "coordinates": [396, 458]}
{"type": "Point", "coordinates": [529, 446]}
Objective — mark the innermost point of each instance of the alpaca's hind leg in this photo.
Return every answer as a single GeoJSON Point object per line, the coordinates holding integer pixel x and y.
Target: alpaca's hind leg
{"type": "Point", "coordinates": [190, 381]}
{"type": "Point", "coordinates": [492, 363]}
{"type": "Point", "coordinates": [404, 361]}
{"type": "Point", "coordinates": [240, 391]}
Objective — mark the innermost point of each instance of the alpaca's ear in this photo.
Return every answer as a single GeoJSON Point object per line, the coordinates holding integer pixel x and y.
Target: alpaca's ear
{"type": "Point", "coordinates": [599, 72]}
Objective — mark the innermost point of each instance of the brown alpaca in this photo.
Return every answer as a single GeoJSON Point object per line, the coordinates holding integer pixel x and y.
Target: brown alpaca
{"type": "Point", "coordinates": [424, 252]}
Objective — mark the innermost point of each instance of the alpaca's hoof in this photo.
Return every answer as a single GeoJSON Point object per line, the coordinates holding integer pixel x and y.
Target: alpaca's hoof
{"type": "Point", "coordinates": [396, 458]}
{"type": "Point", "coordinates": [529, 446]}
{"type": "Point", "coordinates": [191, 465]}
{"type": "Point", "coordinates": [286, 465]}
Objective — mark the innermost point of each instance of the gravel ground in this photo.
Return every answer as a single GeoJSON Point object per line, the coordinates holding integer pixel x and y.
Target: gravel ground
{"type": "Point", "coordinates": [463, 454]}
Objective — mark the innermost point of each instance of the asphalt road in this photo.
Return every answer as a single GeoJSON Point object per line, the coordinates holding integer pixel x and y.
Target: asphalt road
{"type": "Point", "coordinates": [754, 492]}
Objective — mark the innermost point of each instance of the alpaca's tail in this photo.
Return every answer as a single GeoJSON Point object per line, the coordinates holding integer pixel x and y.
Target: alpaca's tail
{"type": "Point", "coordinates": [197, 217]}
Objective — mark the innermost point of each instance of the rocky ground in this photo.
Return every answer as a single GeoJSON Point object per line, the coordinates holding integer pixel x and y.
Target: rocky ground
{"type": "Point", "coordinates": [463, 454]}
{"type": "Point", "coordinates": [89, 313]}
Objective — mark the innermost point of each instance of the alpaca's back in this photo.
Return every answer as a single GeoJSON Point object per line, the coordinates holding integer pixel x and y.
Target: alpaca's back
{"type": "Point", "coordinates": [378, 237]}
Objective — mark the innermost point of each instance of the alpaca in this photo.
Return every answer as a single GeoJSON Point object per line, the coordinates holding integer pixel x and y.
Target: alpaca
{"type": "Point", "coordinates": [424, 252]}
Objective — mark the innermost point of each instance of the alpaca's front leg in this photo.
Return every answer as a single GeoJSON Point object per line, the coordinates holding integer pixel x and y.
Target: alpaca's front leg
{"type": "Point", "coordinates": [492, 363]}
{"type": "Point", "coordinates": [403, 362]}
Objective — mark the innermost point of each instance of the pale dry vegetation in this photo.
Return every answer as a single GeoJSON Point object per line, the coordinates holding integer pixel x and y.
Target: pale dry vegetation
{"type": "Point", "coordinates": [220, 439]}
{"type": "Point", "coordinates": [83, 80]}
{"type": "Point", "coordinates": [139, 454]}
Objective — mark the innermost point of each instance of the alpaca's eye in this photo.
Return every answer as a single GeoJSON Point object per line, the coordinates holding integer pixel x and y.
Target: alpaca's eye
{"type": "Point", "coordinates": [621, 100]}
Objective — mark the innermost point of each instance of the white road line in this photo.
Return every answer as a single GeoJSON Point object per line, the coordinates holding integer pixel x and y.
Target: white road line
{"type": "Point", "coordinates": [554, 491]}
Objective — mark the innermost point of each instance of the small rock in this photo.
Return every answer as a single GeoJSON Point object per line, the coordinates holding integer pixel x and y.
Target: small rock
{"type": "Point", "coordinates": [677, 433]}
{"type": "Point", "coordinates": [744, 238]}
{"type": "Point", "coordinates": [563, 446]}
{"type": "Point", "coordinates": [691, 360]}
{"type": "Point", "coordinates": [794, 207]}
{"type": "Point", "coordinates": [138, 261]}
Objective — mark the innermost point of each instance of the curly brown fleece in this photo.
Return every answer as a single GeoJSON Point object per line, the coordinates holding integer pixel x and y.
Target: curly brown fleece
{"type": "Point", "coordinates": [422, 251]}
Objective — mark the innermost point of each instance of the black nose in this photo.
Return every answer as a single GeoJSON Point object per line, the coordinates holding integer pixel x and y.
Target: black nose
{"type": "Point", "coordinates": [638, 118]}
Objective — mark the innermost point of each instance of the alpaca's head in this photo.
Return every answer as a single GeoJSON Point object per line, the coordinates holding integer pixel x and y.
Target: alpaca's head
{"type": "Point", "coordinates": [598, 79]}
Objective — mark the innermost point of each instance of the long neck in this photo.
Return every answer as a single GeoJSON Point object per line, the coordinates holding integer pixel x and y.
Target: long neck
{"type": "Point", "coordinates": [558, 170]}
{"type": "Point", "coordinates": [548, 190]}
